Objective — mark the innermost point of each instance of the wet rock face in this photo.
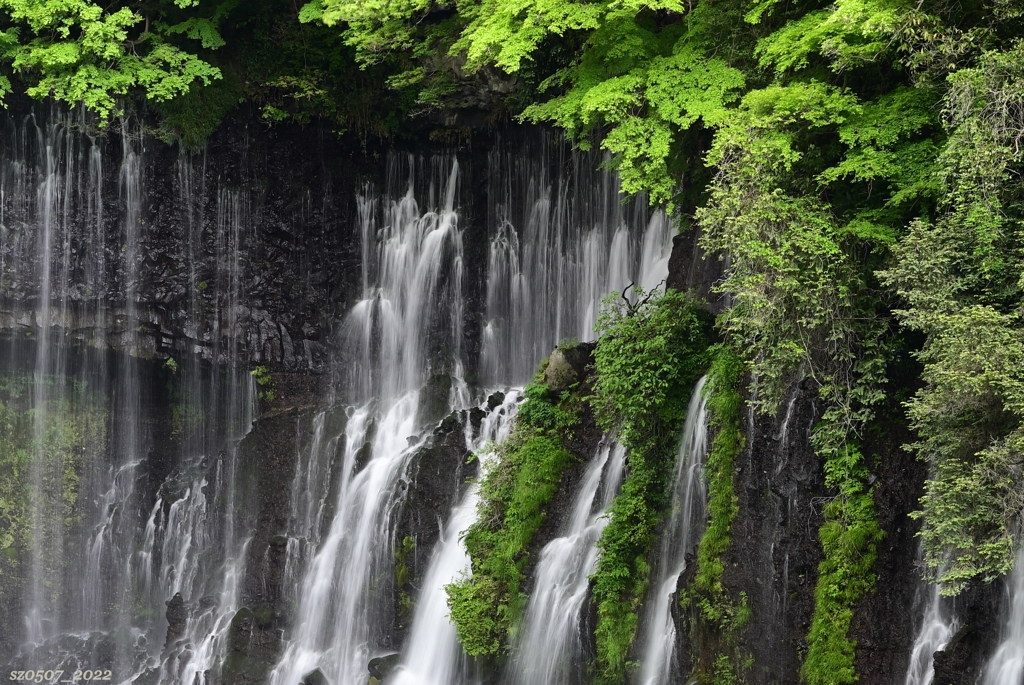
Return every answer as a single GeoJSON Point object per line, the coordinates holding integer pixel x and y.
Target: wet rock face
{"type": "Point", "coordinates": [267, 458]}
{"type": "Point", "coordinates": [962, 661]}
{"type": "Point", "coordinates": [774, 552]}
{"type": "Point", "coordinates": [774, 555]}
{"type": "Point", "coordinates": [251, 245]}
{"type": "Point", "coordinates": [315, 677]}
{"type": "Point", "coordinates": [691, 270]}
{"type": "Point", "coordinates": [885, 621]}
{"type": "Point", "coordinates": [177, 618]}
{"type": "Point", "coordinates": [434, 483]}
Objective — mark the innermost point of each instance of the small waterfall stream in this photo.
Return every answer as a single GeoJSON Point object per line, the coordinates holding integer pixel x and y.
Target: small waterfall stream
{"type": "Point", "coordinates": [549, 647]}
{"type": "Point", "coordinates": [433, 655]}
{"type": "Point", "coordinates": [1006, 667]}
{"type": "Point", "coordinates": [683, 529]}
{"type": "Point", "coordinates": [938, 625]}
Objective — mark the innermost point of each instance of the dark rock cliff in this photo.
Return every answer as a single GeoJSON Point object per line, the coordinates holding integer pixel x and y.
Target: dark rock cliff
{"type": "Point", "coordinates": [774, 552]}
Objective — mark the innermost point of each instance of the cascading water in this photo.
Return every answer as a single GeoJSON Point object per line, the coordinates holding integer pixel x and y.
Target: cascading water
{"type": "Point", "coordinates": [549, 647]}
{"type": "Point", "coordinates": [138, 541]}
{"type": "Point", "coordinates": [685, 523]}
{"type": "Point", "coordinates": [558, 247]}
{"type": "Point", "coordinates": [387, 335]}
{"type": "Point", "coordinates": [1006, 667]}
{"type": "Point", "coordinates": [938, 625]}
{"type": "Point", "coordinates": [433, 655]}
{"type": "Point", "coordinates": [103, 558]}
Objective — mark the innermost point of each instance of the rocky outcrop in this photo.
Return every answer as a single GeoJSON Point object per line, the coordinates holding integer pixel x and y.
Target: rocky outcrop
{"type": "Point", "coordinates": [434, 482]}
{"type": "Point", "coordinates": [962, 660]}
{"type": "Point", "coordinates": [267, 458]}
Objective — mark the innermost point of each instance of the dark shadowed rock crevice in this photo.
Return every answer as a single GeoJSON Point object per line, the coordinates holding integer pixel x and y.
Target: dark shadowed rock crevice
{"type": "Point", "coordinates": [774, 552]}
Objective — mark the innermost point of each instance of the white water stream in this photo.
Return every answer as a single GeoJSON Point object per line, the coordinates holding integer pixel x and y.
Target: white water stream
{"type": "Point", "coordinates": [549, 647]}
{"type": "Point", "coordinates": [938, 625]}
{"type": "Point", "coordinates": [1006, 667]}
{"type": "Point", "coordinates": [685, 525]}
{"type": "Point", "coordinates": [412, 278]}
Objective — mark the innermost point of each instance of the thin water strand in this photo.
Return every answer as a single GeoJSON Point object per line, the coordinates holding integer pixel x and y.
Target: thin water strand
{"type": "Point", "coordinates": [938, 625]}
{"type": "Point", "coordinates": [685, 523]}
{"type": "Point", "coordinates": [1006, 667]}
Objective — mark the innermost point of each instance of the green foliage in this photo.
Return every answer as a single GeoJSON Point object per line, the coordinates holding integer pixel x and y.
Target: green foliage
{"type": "Point", "coordinates": [518, 483]}
{"type": "Point", "coordinates": [719, 616]}
{"type": "Point", "coordinates": [649, 354]}
{"type": "Point", "coordinates": [77, 51]}
{"type": "Point", "coordinates": [960, 279]}
{"type": "Point", "coordinates": [648, 357]}
{"type": "Point", "coordinates": [193, 116]}
{"type": "Point", "coordinates": [265, 381]}
{"type": "Point", "coordinates": [848, 538]}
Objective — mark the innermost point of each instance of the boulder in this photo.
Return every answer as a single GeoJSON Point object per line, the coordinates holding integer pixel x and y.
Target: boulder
{"type": "Point", "coordinates": [380, 667]}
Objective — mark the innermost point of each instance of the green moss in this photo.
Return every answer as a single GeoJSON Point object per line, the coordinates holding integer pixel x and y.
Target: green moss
{"type": "Point", "coordinates": [514, 493]}
{"type": "Point", "coordinates": [402, 553]}
{"type": "Point", "coordinates": [718, 617]}
{"type": "Point", "coordinates": [265, 381]}
{"type": "Point", "coordinates": [647, 359]}
{"type": "Point", "coordinates": [848, 537]}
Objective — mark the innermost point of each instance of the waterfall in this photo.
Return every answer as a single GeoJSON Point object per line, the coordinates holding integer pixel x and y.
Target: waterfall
{"type": "Point", "coordinates": [549, 646]}
{"type": "Point", "coordinates": [558, 247]}
{"type": "Point", "coordinates": [1006, 667]}
{"type": "Point", "coordinates": [434, 655]}
{"type": "Point", "coordinates": [126, 337]}
{"type": "Point", "coordinates": [685, 523]}
{"type": "Point", "coordinates": [411, 299]}
{"type": "Point", "coordinates": [937, 627]}
{"type": "Point", "coordinates": [550, 262]}
{"type": "Point", "coordinates": [52, 213]}
{"type": "Point", "coordinates": [125, 511]}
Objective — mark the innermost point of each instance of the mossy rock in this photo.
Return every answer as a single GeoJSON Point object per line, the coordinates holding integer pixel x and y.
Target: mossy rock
{"type": "Point", "coordinates": [560, 375]}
